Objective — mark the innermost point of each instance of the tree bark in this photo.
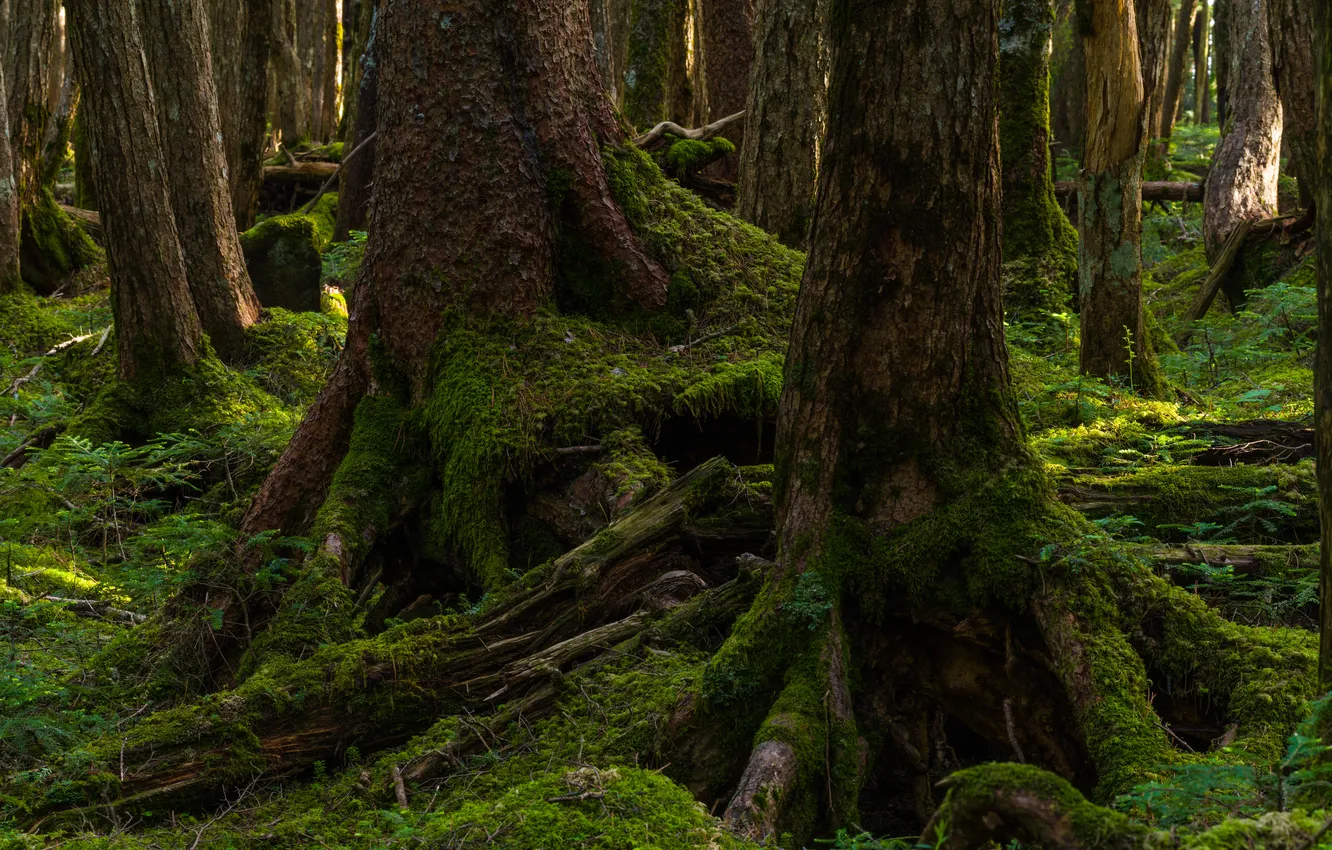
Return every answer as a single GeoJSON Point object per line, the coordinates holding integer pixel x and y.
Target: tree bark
{"type": "Point", "coordinates": [156, 324]}
{"type": "Point", "coordinates": [292, 113]}
{"type": "Point", "coordinates": [1068, 84]}
{"type": "Point", "coordinates": [1242, 185]}
{"type": "Point", "coordinates": [1153, 19]}
{"type": "Point", "coordinates": [1175, 72]}
{"type": "Point", "coordinates": [1202, 85]}
{"type": "Point", "coordinates": [610, 37]}
{"type": "Point", "coordinates": [1290, 28]}
{"type": "Point", "coordinates": [1114, 337]}
{"type": "Point", "coordinates": [10, 281]}
{"type": "Point", "coordinates": [242, 42]}
{"type": "Point", "coordinates": [656, 60]}
{"type": "Point", "coordinates": [176, 38]}
{"type": "Point", "coordinates": [785, 113]}
{"type": "Point", "coordinates": [1322, 75]}
{"type": "Point", "coordinates": [1221, 57]}
{"type": "Point", "coordinates": [356, 176]}
{"type": "Point", "coordinates": [727, 28]}
{"type": "Point", "coordinates": [1034, 223]}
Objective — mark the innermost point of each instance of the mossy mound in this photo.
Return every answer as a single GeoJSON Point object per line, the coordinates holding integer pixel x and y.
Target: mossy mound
{"type": "Point", "coordinates": [282, 256]}
{"type": "Point", "coordinates": [52, 246]}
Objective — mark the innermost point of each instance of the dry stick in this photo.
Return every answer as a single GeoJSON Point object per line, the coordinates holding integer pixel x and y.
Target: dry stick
{"type": "Point", "coordinates": [1212, 284]}
{"type": "Point", "coordinates": [334, 176]}
{"type": "Point", "coordinates": [701, 134]}
{"type": "Point", "coordinates": [59, 347]}
{"type": "Point", "coordinates": [400, 788]}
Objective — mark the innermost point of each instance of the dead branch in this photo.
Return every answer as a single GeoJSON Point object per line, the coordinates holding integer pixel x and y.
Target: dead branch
{"type": "Point", "coordinates": [1151, 191]}
{"type": "Point", "coordinates": [99, 609]}
{"type": "Point", "coordinates": [337, 170]}
{"type": "Point", "coordinates": [654, 136]}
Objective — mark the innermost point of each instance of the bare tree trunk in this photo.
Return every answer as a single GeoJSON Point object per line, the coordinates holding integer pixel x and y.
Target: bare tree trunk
{"type": "Point", "coordinates": [1202, 88]}
{"type": "Point", "coordinates": [610, 36]}
{"type": "Point", "coordinates": [656, 59]}
{"type": "Point", "coordinates": [785, 114]}
{"type": "Point", "coordinates": [1068, 85]}
{"type": "Point", "coordinates": [1114, 337]}
{"type": "Point", "coordinates": [355, 178]}
{"type": "Point", "coordinates": [55, 150]}
{"type": "Point", "coordinates": [156, 325]}
{"type": "Point", "coordinates": [728, 47]}
{"type": "Point", "coordinates": [1221, 58]}
{"type": "Point", "coordinates": [331, 52]}
{"type": "Point", "coordinates": [175, 34]}
{"type": "Point", "coordinates": [1242, 185]}
{"type": "Point", "coordinates": [680, 89]}
{"type": "Point", "coordinates": [10, 281]}
{"type": "Point", "coordinates": [85, 187]}
{"type": "Point", "coordinates": [1290, 25]}
{"type": "Point", "coordinates": [291, 113]}
{"type": "Point", "coordinates": [242, 40]}
{"type": "Point", "coordinates": [1322, 76]}
{"type": "Point", "coordinates": [1175, 72]}
{"type": "Point", "coordinates": [1153, 18]}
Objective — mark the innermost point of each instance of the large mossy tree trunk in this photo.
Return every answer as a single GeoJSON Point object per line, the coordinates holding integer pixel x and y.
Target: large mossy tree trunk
{"type": "Point", "coordinates": [1290, 28]}
{"type": "Point", "coordinates": [1322, 80]}
{"type": "Point", "coordinates": [51, 244]}
{"type": "Point", "coordinates": [518, 196]}
{"type": "Point", "coordinates": [1177, 68]}
{"type": "Point", "coordinates": [1035, 226]}
{"type": "Point", "coordinates": [785, 113]}
{"type": "Point", "coordinates": [176, 38]}
{"type": "Point", "coordinates": [1242, 185]}
{"type": "Point", "coordinates": [656, 60]}
{"type": "Point", "coordinates": [157, 327]}
{"type": "Point", "coordinates": [10, 279]}
{"type": "Point", "coordinates": [241, 41]}
{"type": "Point", "coordinates": [1114, 336]}
{"type": "Point", "coordinates": [727, 28]}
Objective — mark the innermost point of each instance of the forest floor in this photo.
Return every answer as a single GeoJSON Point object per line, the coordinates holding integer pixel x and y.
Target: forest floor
{"type": "Point", "coordinates": [1212, 487]}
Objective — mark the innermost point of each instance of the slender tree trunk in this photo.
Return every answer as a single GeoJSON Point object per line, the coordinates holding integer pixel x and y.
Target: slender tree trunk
{"type": "Point", "coordinates": [611, 21]}
{"type": "Point", "coordinates": [55, 150]}
{"type": "Point", "coordinates": [1221, 58]}
{"type": "Point", "coordinates": [1068, 85]}
{"type": "Point", "coordinates": [1202, 81]}
{"type": "Point", "coordinates": [1114, 336]}
{"type": "Point", "coordinates": [1034, 224]}
{"type": "Point", "coordinates": [1177, 69]}
{"type": "Point", "coordinates": [1242, 185]}
{"type": "Point", "coordinates": [1322, 75]}
{"type": "Point", "coordinates": [10, 280]}
{"type": "Point", "coordinates": [728, 47]}
{"type": "Point", "coordinates": [655, 38]}
{"type": "Point", "coordinates": [679, 82]}
{"type": "Point", "coordinates": [331, 51]}
{"type": "Point", "coordinates": [85, 188]}
{"type": "Point", "coordinates": [291, 114]}
{"type": "Point", "coordinates": [1290, 27]}
{"type": "Point", "coordinates": [785, 113]}
{"type": "Point", "coordinates": [1153, 19]}
{"type": "Point", "coordinates": [55, 82]}
{"type": "Point", "coordinates": [156, 324]}
{"type": "Point", "coordinates": [175, 34]}
{"type": "Point", "coordinates": [355, 178]}
{"type": "Point", "coordinates": [241, 38]}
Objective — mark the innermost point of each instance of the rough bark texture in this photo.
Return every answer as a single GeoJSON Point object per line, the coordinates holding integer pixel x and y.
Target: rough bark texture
{"type": "Point", "coordinates": [680, 87]}
{"type": "Point", "coordinates": [656, 60]}
{"type": "Point", "coordinates": [1153, 19]}
{"type": "Point", "coordinates": [1034, 223]}
{"type": "Point", "coordinates": [727, 28]}
{"type": "Point", "coordinates": [1290, 28]}
{"type": "Point", "coordinates": [291, 113]}
{"type": "Point", "coordinates": [9, 204]}
{"type": "Point", "coordinates": [55, 149]}
{"type": "Point", "coordinates": [175, 34]}
{"type": "Point", "coordinates": [785, 113]}
{"type": "Point", "coordinates": [32, 42]}
{"type": "Point", "coordinates": [241, 38]}
{"type": "Point", "coordinates": [156, 324]}
{"type": "Point", "coordinates": [1322, 67]}
{"type": "Point", "coordinates": [1242, 185]}
{"type": "Point", "coordinates": [1114, 338]}
{"type": "Point", "coordinates": [356, 176]}
{"type": "Point", "coordinates": [1202, 86]}
{"type": "Point", "coordinates": [1177, 67]}
{"type": "Point", "coordinates": [611, 21]}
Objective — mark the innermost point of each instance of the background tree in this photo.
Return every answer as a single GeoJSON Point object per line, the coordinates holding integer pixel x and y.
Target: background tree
{"type": "Point", "coordinates": [1202, 85]}
{"type": "Point", "coordinates": [1290, 28]}
{"type": "Point", "coordinates": [727, 28]}
{"type": "Point", "coordinates": [1242, 185]}
{"type": "Point", "coordinates": [157, 328]}
{"type": "Point", "coordinates": [241, 41]}
{"type": "Point", "coordinates": [785, 113]}
{"type": "Point", "coordinates": [175, 35]}
{"type": "Point", "coordinates": [291, 113]}
{"type": "Point", "coordinates": [1114, 336]}
{"type": "Point", "coordinates": [1068, 84]}
{"type": "Point", "coordinates": [1177, 69]}
{"type": "Point", "coordinates": [356, 174]}
{"type": "Point", "coordinates": [611, 23]}
{"type": "Point", "coordinates": [1322, 79]}
{"type": "Point", "coordinates": [1034, 224]}
{"type": "Point", "coordinates": [1153, 20]}
{"type": "Point", "coordinates": [656, 62]}
{"type": "Point", "coordinates": [10, 280]}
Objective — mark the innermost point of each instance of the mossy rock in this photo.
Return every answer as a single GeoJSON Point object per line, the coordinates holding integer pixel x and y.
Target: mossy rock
{"type": "Point", "coordinates": [282, 255]}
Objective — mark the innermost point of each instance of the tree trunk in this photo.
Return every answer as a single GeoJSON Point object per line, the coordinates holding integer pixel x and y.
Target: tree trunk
{"type": "Point", "coordinates": [291, 115]}
{"type": "Point", "coordinates": [156, 324]}
{"type": "Point", "coordinates": [1290, 26]}
{"type": "Point", "coordinates": [1153, 19]}
{"type": "Point", "coordinates": [1221, 58]}
{"type": "Point", "coordinates": [241, 37]}
{"type": "Point", "coordinates": [175, 34]}
{"type": "Point", "coordinates": [1114, 337]}
{"type": "Point", "coordinates": [610, 35]}
{"type": "Point", "coordinates": [1068, 85]}
{"type": "Point", "coordinates": [1176, 71]}
{"type": "Point", "coordinates": [1322, 77]}
{"type": "Point", "coordinates": [355, 178]}
{"type": "Point", "coordinates": [85, 188]}
{"type": "Point", "coordinates": [1242, 185]}
{"type": "Point", "coordinates": [785, 112]}
{"type": "Point", "coordinates": [1034, 224]}
{"type": "Point", "coordinates": [727, 28]}
{"type": "Point", "coordinates": [55, 150]}
{"type": "Point", "coordinates": [10, 281]}
{"type": "Point", "coordinates": [656, 59]}
{"type": "Point", "coordinates": [680, 88]}
{"type": "Point", "coordinates": [1202, 81]}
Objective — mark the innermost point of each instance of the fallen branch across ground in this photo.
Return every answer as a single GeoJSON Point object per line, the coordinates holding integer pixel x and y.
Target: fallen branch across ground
{"type": "Point", "coordinates": [654, 136]}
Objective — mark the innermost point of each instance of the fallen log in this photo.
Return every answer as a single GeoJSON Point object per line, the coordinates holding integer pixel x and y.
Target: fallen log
{"type": "Point", "coordinates": [99, 609]}
{"type": "Point", "coordinates": [1151, 191]}
{"type": "Point", "coordinates": [1243, 560]}
{"type": "Point", "coordinates": [89, 221]}
{"type": "Point", "coordinates": [1257, 441]}
{"type": "Point", "coordinates": [301, 172]}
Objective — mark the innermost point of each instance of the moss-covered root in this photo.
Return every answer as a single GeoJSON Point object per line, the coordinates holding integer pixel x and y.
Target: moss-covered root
{"type": "Point", "coordinates": [807, 752]}
{"type": "Point", "coordinates": [1016, 802]}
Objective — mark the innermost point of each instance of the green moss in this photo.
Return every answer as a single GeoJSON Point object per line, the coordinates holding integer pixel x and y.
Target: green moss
{"type": "Point", "coordinates": [686, 156]}
{"type": "Point", "coordinates": [282, 255]}
{"type": "Point", "coordinates": [647, 77]}
{"type": "Point", "coordinates": [291, 354]}
{"type": "Point", "coordinates": [52, 246]}
{"type": "Point", "coordinates": [325, 215]}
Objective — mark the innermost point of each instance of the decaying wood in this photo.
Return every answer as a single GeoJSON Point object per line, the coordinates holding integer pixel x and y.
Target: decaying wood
{"type": "Point", "coordinates": [1257, 441]}
{"type": "Point", "coordinates": [1151, 191]}
{"type": "Point", "coordinates": [657, 134]}
{"type": "Point", "coordinates": [1243, 560]}
{"type": "Point", "coordinates": [99, 609]}
{"type": "Point", "coordinates": [302, 172]}
{"type": "Point", "coordinates": [89, 220]}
